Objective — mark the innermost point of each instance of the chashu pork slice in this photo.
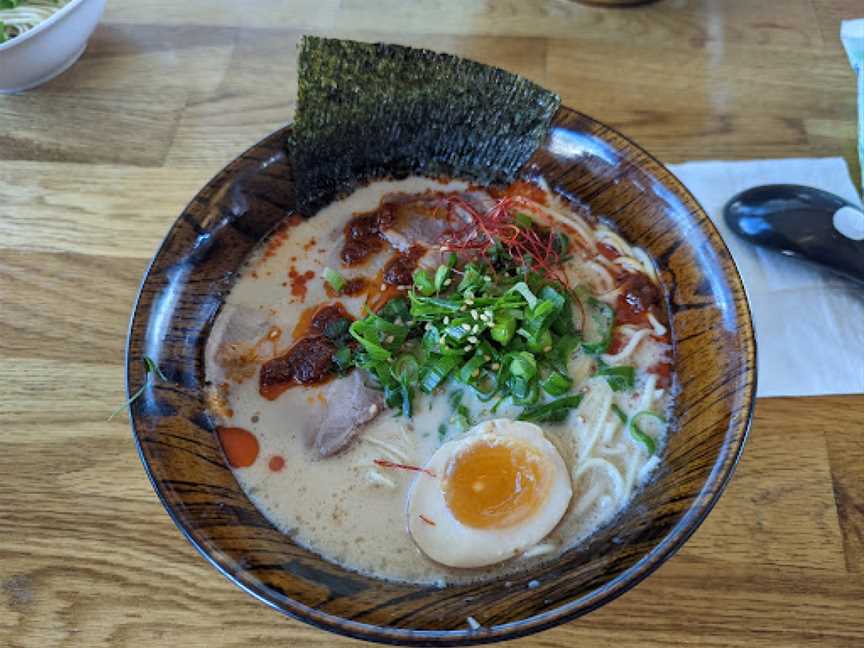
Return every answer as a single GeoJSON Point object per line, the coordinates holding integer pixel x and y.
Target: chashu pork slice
{"type": "Point", "coordinates": [349, 406]}
{"type": "Point", "coordinates": [420, 223]}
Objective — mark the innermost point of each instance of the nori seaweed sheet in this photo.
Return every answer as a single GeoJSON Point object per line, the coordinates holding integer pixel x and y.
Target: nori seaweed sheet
{"type": "Point", "coordinates": [369, 111]}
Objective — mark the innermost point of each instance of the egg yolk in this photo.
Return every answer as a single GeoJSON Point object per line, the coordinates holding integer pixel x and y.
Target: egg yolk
{"type": "Point", "coordinates": [495, 485]}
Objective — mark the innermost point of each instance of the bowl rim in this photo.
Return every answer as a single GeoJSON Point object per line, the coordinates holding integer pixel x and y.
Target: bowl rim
{"type": "Point", "coordinates": [42, 26]}
{"type": "Point", "coordinates": [715, 485]}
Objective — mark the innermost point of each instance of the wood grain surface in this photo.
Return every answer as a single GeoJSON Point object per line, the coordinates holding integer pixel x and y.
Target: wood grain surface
{"type": "Point", "coordinates": [95, 166]}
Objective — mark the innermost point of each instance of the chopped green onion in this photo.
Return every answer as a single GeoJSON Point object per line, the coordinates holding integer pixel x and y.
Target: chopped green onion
{"type": "Point", "coordinates": [562, 351]}
{"type": "Point", "coordinates": [150, 369]}
{"type": "Point", "coordinates": [522, 391]}
{"type": "Point", "coordinates": [458, 331]}
{"type": "Point", "coordinates": [407, 397]}
{"type": "Point", "coordinates": [342, 359]}
{"type": "Point", "coordinates": [378, 336]}
{"type": "Point", "coordinates": [639, 435]}
{"type": "Point", "coordinates": [549, 294]}
{"type": "Point", "coordinates": [441, 275]}
{"type": "Point", "coordinates": [335, 329]}
{"type": "Point", "coordinates": [396, 308]}
{"type": "Point", "coordinates": [393, 395]}
{"type": "Point", "coordinates": [460, 412]}
{"type": "Point", "coordinates": [428, 308]}
{"type": "Point", "coordinates": [374, 350]}
{"type": "Point", "coordinates": [541, 343]}
{"type": "Point", "coordinates": [523, 365]}
{"type": "Point", "coordinates": [552, 412]}
{"type": "Point", "coordinates": [635, 431]}
{"type": "Point", "coordinates": [498, 255]}
{"type": "Point", "coordinates": [503, 329]}
{"type": "Point", "coordinates": [405, 368]}
{"type": "Point", "coordinates": [485, 386]}
{"type": "Point", "coordinates": [336, 280]}
{"type": "Point", "coordinates": [442, 432]}
{"type": "Point", "coordinates": [556, 384]}
{"type": "Point", "coordinates": [603, 317]}
{"type": "Point", "coordinates": [455, 398]}
{"type": "Point", "coordinates": [535, 327]}
{"type": "Point", "coordinates": [523, 289]}
{"type": "Point", "coordinates": [619, 378]}
{"type": "Point", "coordinates": [431, 339]}
{"type": "Point", "coordinates": [433, 374]}
{"type": "Point", "coordinates": [463, 421]}
{"type": "Point", "coordinates": [561, 243]}
{"type": "Point", "coordinates": [423, 282]}
{"type": "Point", "coordinates": [563, 323]}
{"type": "Point", "coordinates": [472, 280]}
{"type": "Point", "coordinates": [523, 220]}
{"type": "Point", "coordinates": [472, 368]}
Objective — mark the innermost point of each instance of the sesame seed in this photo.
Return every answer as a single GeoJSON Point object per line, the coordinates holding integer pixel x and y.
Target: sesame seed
{"type": "Point", "coordinates": [472, 339]}
{"type": "Point", "coordinates": [487, 279]}
{"type": "Point", "coordinates": [466, 328]}
{"type": "Point", "coordinates": [474, 314]}
{"type": "Point", "coordinates": [468, 347]}
{"type": "Point", "coordinates": [469, 301]}
{"type": "Point", "coordinates": [547, 349]}
{"type": "Point", "coordinates": [463, 307]}
{"type": "Point", "coordinates": [475, 373]}
{"type": "Point", "coordinates": [428, 326]}
{"type": "Point", "coordinates": [383, 287]}
{"type": "Point", "coordinates": [476, 328]}
{"type": "Point", "coordinates": [409, 323]}
{"type": "Point", "coordinates": [447, 282]}
{"type": "Point", "coordinates": [495, 366]}
{"type": "Point", "coordinates": [487, 358]}
{"type": "Point", "coordinates": [401, 287]}
{"type": "Point", "coordinates": [488, 313]}
{"type": "Point", "coordinates": [446, 320]}
{"type": "Point", "coordinates": [389, 339]}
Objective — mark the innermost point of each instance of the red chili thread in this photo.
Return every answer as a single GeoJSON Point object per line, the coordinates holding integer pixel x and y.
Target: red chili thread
{"type": "Point", "coordinates": [525, 245]}
{"type": "Point", "coordinates": [389, 464]}
{"type": "Point", "coordinates": [427, 520]}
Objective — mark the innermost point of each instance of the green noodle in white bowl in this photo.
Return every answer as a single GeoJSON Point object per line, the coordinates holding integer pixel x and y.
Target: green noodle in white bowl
{"type": "Point", "coordinates": [40, 39]}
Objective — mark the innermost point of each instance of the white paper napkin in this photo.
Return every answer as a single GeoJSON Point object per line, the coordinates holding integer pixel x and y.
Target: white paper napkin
{"type": "Point", "coordinates": [809, 323]}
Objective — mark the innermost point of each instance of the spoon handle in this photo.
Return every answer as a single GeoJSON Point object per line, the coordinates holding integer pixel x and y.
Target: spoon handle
{"type": "Point", "coordinates": [804, 222]}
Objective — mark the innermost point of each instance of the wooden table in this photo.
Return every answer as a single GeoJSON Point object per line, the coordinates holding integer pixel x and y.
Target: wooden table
{"type": "Point", "coordinates": [96, 165]}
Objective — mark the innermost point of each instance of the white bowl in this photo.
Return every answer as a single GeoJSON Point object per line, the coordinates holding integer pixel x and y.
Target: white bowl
{"type": "Point", "coordinates": [39, 55]}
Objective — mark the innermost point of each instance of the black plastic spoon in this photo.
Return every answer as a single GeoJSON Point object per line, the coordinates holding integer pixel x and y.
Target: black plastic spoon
{"type": "Point", "coordinates": [804, 222]}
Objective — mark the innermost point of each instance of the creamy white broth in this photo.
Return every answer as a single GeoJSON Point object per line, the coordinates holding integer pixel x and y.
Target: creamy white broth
{"type": "Point", "coordinates": [345, 507]}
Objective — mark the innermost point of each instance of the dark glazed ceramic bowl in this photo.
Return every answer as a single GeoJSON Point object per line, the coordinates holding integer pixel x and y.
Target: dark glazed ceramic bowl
{"type": "Point", "coordinates": [714, 361]}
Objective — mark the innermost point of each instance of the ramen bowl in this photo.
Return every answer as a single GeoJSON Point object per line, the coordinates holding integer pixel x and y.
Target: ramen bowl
{"type": "Point", "coordinates": [714, 362]}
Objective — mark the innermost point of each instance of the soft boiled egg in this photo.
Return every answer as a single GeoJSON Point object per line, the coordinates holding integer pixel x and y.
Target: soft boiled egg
{"type": "Point", "coordinates": [489, 495]}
